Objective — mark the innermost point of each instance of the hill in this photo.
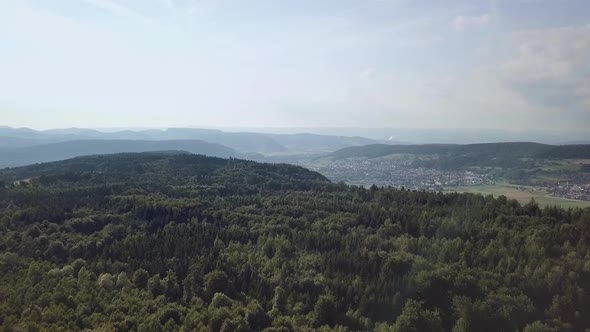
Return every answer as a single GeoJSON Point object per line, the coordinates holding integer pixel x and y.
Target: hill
{"type": "Point", "coordinates": [456, 156]}
{"type": "Point", "coordinates": [312, 143]}
{"type": "Point", "coordinates": [171, 168]}
{"type": "Point", "coordinates": [180, 242]}
{"type": "Point", "coordinates": [243, 142]}
{"type": "Point", "coordinates": [11, 157]}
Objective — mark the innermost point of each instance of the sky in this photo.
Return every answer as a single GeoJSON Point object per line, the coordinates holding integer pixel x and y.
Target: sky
{"type": "Point", "coordinates": [505, 64]}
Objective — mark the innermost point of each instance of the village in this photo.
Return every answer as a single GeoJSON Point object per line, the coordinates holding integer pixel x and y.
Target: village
{"type": "Point", "coordinates": [401, 173]}
{"type": "Point", "coordinates": [397, 173]}
{"type": "Point", "coordinates": [578, 189]}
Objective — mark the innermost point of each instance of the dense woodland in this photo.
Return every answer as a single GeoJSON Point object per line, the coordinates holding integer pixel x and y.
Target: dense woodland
{"type": "Point", "coordinates": [168, 242]}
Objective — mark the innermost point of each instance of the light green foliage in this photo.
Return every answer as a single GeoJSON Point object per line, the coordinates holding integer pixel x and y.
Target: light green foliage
{"type": "Point", "coordinates": [538, 327]}
{"type": "Point", "coordinates": [220, 300]}
{"type": "Point", "coordinates": [279, 302]}
{"type": "Point", "coordinates": [123, 281]}
{"type": "Point", "coordinates": [155, 285]}
{"type": "Point", "coordinates": [140, 278]}
{"type": "Point", "coordinates": [414, 318]}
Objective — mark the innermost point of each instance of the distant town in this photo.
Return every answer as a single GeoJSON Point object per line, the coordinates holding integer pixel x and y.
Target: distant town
{"type": "Point", "coordinates": [577, 188]}
{"type": "Point", "coordinates": [400, 173]}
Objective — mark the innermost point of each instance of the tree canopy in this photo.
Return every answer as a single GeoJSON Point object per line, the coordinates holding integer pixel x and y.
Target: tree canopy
{"type": "Point", "coordinates": [168, 242]}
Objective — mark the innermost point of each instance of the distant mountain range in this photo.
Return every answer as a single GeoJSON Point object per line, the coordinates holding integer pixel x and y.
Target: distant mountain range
{"type": "Point", "coordinates": [12, 157]}
{"type": "Point", "coordinates": [443, 135]}
{"type": "Point", "coordinates": [243, 142]}
{"type": "Point", "coordinates": [23, 146]}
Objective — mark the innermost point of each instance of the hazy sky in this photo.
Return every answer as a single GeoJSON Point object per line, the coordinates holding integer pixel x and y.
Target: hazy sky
{"type": "Point", "coordinates": [291, 63]}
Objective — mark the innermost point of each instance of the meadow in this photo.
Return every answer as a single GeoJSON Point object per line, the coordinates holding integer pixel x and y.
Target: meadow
{"type": "Point", "coordinates": [523, 194]}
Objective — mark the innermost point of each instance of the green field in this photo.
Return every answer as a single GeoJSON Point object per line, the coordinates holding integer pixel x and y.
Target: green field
{"type": "Point", "coordinates": [521, 193]}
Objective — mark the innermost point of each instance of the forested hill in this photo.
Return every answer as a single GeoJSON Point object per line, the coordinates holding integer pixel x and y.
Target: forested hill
{"type": "Point", "coordinates": [483, 150]}
{"type": "Point", "coordinates": [167, 168]}
{"type": "Point", "coordinates": [12, 157]}
{"type": "Point", "coordinates": [471, 154]}
{"type": "Point", "coordinates": [179, 242]}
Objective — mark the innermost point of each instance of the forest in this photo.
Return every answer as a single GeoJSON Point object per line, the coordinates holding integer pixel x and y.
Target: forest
{"type": "Point", "coordinates": [182, 242]}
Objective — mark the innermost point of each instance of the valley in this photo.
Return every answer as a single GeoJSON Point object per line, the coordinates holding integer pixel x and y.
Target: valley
{"type": "Point", "coordinates": [558, 173]}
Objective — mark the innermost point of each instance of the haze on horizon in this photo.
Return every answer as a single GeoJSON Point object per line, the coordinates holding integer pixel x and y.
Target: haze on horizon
{"type": "Point", "coordinates": [506, 64]}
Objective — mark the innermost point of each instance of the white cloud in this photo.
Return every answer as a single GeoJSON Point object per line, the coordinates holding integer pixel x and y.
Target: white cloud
{"type": "Point", "coordinates": [461, 23]}
{"type": "Point", "coordinates": [359, 67]}
{"type": "Point", "coordinates": [169, 4]}
{"type": "Point", "coordinates": [193, 7]}
{"type": "Point", "coordinates": [188, 8]}
{"type": "Point", "coordinates": [117, 9]}
{"type": "Point", "coordinates": [551, 67]}
{"type": "Point", "coordinates": [368, 72]}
